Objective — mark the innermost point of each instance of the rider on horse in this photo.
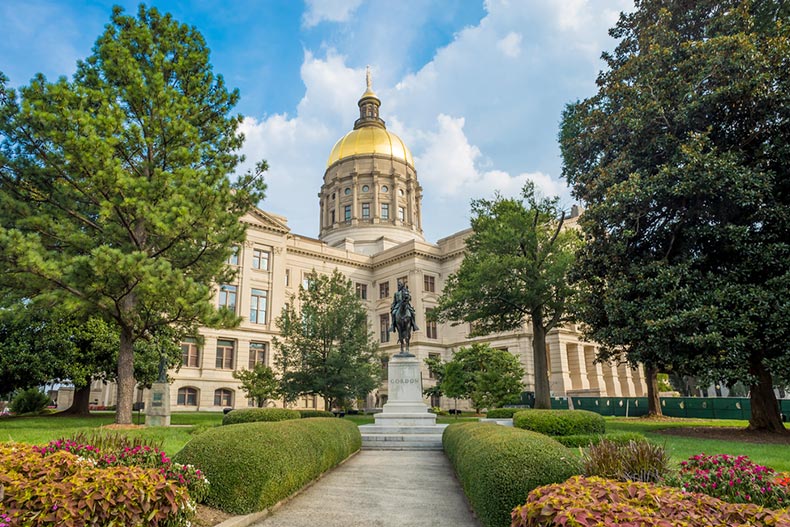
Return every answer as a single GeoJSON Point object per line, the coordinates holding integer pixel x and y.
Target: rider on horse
{"type": "Point", "coordinates": [402, 295]}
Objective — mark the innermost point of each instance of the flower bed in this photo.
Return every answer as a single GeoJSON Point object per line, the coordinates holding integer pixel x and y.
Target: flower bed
{"type": "Point", "coordinates": [583, 501]}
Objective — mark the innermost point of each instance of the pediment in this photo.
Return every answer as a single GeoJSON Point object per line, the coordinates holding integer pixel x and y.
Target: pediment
{"type": "Point", "coordinates": [267, 221]}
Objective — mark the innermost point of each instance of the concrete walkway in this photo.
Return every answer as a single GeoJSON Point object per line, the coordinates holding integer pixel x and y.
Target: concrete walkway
{"type": "Point", "coordinates": [381, 488]}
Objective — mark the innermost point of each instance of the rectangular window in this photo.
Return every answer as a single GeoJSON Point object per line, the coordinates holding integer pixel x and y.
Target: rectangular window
{"type": "Point", "coordinates": [227, 297]}
{"type": "Point", "coordinates": [233, 259]}
{"type": "Point", "coordinates": [362, 291]}
{"type": "Point", "coordinates": [430, 327]}
{"type": "Point", "coordinates": [287, 277]}
{"type": "Point", "coordinates": [384, 290]}
{"type": "Point", "coordinates": [190, 354]}
{"type": "Point", "coordinates": [347, 213]}
{"type": "Point", "coordinates": [258, 306]}
{"type": "Point", "coordinates": [431, 375]}
{"type": "Point", "coordinates": [366, 210]}
{"type": "Point", "coordinates": [225, 349]}
{"type": "Point", "coordinates": [257, 354]}
{"type": "Point", "coordinates": [429, 283]}
{"type": "Point", "coordinates": [385, 368]}
{"type": "Point", "coordinates": [260, 259]}
{"type": "Point", "coordinates": [332, 216]}
{"type": "Point", "coordinates": [401, 213]}
{"type": "Point", "coordinates": [384, 327]}
{"type": "Point", "coordinates": [385, 211]}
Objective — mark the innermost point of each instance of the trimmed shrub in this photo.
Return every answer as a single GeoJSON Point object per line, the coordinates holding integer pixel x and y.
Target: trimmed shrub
{"type": "Point", "coordinates": [632, 461]}
{"type": "Point", "coordinates": [560, 422]}
{"type": "Point", "coordinates": [498, 465]}
{"type": "Point", "coordinates": [30, 401]}
{"type": "Point", "coordinates": [315, 413]}
{"type": "Point", "coordinates": [64, 489]}
{"type": "Point", "coordinates": [254, 415]}
{"type": "Point", "coordinates": [735, 479]}
{"type": "Point", "coordinates": [503, 413]}
{"type": "Point", "coordinates": [598, 501]}
{"type": "Point", "coordinates": [252, 466]}
{"type": "Point", "coordinates": [585, 440]}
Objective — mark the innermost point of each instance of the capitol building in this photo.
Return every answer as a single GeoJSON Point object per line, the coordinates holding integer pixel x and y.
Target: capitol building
{"type": "Point", "coordinates": [370, 210]}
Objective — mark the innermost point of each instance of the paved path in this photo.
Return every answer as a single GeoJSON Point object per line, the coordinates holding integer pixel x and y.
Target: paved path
{"type": "Point", "coordinates": [381, 488]}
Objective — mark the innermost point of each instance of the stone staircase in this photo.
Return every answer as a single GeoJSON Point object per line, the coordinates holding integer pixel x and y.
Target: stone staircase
{"type": "Point", "coordinates": [383, 437]}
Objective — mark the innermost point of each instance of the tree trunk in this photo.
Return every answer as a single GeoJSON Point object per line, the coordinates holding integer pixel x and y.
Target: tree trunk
{"type": "Point", "coordinates": [765, 408]}
{"type": "Point", "coordinates": [541, 363]}
{"type": "Point", "coordinates": [123, 410]}
{"type": "Point", "coordinates": [653, 401]}
{"type": "Point", "coordinates": [80, 404]}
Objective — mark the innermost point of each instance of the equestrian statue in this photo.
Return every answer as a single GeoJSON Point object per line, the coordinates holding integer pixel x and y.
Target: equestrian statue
{"type": "Point", "coordinates": [403, 318]}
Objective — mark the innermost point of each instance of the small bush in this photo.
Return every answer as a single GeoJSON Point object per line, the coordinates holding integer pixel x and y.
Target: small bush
{"type": "Point", "coordinates": [437, 410]}
{"type": "Point", "coordinates": [560, 422]}
{"type": "Point", "coordinates": [315, 413]}
{"type": "Point", "coordinates": [631, 461]}
{"type": "Point", "coordinates": [598, 501]}
{"type": "Point", "coordinates": [497, 466]}
{"type": "Point", "coordinates": [64, 489]}
{"type": "Point", "coordinates": [254, 415]}
{"type": "Point", "coordinates": [30, 401]}
{"type": "Point", "coordinates": [585, 440]}
{"type": "Point", "coordinates": [734, 479]}
{"type": "Point", "coordinates": [252, 466]}
{"type": "Point", "coordinates": [502, 413]}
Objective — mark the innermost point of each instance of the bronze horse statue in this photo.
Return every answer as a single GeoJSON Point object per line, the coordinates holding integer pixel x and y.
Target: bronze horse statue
{"type": "Point", "coordinates": [403, 322]}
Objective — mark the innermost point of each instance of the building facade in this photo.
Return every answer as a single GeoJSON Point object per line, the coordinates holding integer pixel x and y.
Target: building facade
{"type": "Point", "coordinates": [370, 210]}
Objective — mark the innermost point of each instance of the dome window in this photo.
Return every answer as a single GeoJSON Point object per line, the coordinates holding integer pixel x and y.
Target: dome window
{"type": "Point", "coordinates": [384, 188]}
{"type": "Point", "coordinates": [333, 195]}
{"type": "Point", "coordinates": [365, 188]}
{"type": "Point", "coordinates": [347, 191]}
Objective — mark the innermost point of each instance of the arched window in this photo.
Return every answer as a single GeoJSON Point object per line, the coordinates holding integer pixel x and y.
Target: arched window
{"type": "Point", "coordinates": [187, 397]}
{"type": "Point", "coordinates": [223, 397]}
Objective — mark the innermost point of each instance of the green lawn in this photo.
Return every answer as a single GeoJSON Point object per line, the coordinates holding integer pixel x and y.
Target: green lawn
{"type": "Point", "coordinates": [681, 448]}
{"type": "Point", "coordinates": [40, 430]}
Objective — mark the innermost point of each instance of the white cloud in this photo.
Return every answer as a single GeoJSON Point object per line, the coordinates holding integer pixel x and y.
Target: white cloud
{"type": "Point", "coordinates": [480, 116]}
{"type": "Point", "coordinates": [329, 10]}
{"type": "Point", "coordinates": [510, 45]}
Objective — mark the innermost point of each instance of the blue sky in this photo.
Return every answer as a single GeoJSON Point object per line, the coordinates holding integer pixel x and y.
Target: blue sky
{"type": "Point", "coordinates": [475, 89]}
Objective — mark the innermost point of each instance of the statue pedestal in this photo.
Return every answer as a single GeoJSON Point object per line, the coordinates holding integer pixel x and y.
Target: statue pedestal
{"type": "Point", "coordinates": [157, 406]}
{"type": "Point", "coordinates": [405, 422]}
{"type": "Point", "coordinates": [405, 406]}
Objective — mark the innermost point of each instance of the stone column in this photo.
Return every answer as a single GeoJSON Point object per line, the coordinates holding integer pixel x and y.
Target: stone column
{"type": "Point", "coordinates": [576, 366]}
{"type": "Point", "coordinates": [355, 212]}
{"type": "Point", "coordinates": [376, 212]}
{"type": "Point", "coordinates": [624, 374]}
{"type": "Point", "coordinates": [594, 371]}
{"type": "Point", "coordinates": [559, 379]}
{"type": "Point", "coordinates": [613, 388]}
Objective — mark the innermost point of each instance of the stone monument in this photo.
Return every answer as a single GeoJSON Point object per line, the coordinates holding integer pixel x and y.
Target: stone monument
{"type": "Point", "coordinates": [405, 422]}
{"type": "Point", "coordinates": [157, 407]}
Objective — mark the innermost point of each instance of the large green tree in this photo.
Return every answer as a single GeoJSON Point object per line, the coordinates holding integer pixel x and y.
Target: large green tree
{"type": "Point", "coordinates": [681, 159]}
{"type": "Point", "coordinates": [115, 191]}
{"type": "Point", "coordinates": [325, 347]}
{"type": "Point", "coordinates": [514, 270]}
{"type": "Point", "coordinates": [486, 376]}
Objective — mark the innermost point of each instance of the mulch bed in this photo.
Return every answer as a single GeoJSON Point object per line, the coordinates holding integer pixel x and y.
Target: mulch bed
{"type": "Point", "coordinates": [208, 517]}
{"type": "Point", "coordinates": [728, 434]}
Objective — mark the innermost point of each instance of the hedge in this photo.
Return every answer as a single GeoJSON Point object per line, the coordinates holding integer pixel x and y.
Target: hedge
{"type": "Point", "coordinates": [252, 466]}
{"type": "Point", "coordinates": [498, 466]}
{"type": "Point", "coordinates": [598, 501]}
{"type": "Point", "coordinates": [560, 422]}
{"type": "Point", "coordinates": [253, 415]}
{"type": "Point", "coordinates": [65, 489]}
{"type": "Point", "coordinates": [585, 440]}
{"type": "Point", "coordinates": [315, 413]}
{"type": "Point", "coordinates": [502, 413]}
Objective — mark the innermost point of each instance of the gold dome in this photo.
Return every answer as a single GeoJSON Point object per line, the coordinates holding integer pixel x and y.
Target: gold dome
{"type": "Point", "coordinates": [370, 140]}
